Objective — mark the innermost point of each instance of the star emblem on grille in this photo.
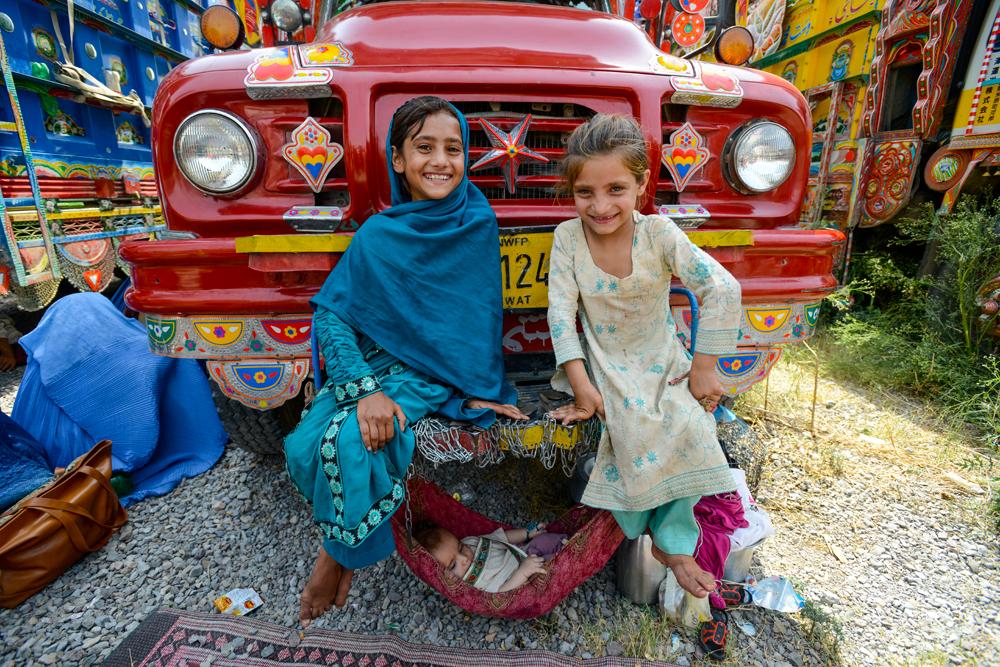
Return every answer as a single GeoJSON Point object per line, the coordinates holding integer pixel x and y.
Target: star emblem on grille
{"type": "Point", "coordinates": [508, 150]}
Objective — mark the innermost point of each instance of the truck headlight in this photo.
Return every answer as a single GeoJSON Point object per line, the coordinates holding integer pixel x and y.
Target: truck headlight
{"type": "Point", "coordinates": [215, 151]}
{"type": "Point", "coordinates": [760, 156]}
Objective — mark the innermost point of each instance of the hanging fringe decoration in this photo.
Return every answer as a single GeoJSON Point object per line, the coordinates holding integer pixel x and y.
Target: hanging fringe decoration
{"type": "Point", "coordinates": [442, 441]}
{"type": "Point", "coordinates": [35, 297]}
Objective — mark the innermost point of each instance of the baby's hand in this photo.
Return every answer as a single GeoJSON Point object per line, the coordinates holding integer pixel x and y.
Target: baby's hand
{"type": "Point", "coordinates": [535, 530]}
{"type": "Point", "coordinates": [531, 565]}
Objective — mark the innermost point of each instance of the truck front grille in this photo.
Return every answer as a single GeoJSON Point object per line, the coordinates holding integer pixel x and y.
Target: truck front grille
{"type": "Point", "coordinates": [551, 125]}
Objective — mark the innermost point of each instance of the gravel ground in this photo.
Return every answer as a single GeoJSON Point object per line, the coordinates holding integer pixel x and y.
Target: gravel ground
{"type": "Point", "coordinates": [894, 572]}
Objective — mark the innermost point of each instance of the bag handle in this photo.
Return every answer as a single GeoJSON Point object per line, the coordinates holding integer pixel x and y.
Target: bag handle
{"type": "Point", "coordinates": [57, 508]}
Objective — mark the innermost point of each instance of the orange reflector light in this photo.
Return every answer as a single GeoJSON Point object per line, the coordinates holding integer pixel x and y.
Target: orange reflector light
{"type": "Point", "coordinates": [222, 28]}
{"type": "Point", "coordinates": [734, 46]}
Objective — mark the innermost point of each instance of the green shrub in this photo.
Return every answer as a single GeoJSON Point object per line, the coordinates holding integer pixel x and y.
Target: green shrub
{"type": "Point", "coordinates": [908, 318]}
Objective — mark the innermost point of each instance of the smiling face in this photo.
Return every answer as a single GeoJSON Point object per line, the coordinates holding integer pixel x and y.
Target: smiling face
{"type": "Point", "coordinates": [432, 158]}
{"type": "Point", "coordinates": [455, 556]}
{"type": "Point", "coordinates": [605, 193]}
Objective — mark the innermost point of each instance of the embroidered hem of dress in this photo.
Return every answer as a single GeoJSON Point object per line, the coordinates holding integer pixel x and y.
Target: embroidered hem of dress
{"type": "Point", "coordinates": [377, 513]}
{"type": "Point", "coordinates": [706, 482]}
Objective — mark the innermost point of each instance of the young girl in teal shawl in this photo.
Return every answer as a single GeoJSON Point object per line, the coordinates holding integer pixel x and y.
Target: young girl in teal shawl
{"type": "Point", "coordinates": [410, 323]}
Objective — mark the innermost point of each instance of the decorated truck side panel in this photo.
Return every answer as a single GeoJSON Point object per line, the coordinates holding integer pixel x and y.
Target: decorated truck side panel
{"type": "Point", "coordinates": [76, 173]}
{"type": "Point", "coordinates": [235, 291]}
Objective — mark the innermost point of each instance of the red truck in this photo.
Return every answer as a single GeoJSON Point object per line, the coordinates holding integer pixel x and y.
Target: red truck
{"type": "Point", "coordinates": [269, 159]}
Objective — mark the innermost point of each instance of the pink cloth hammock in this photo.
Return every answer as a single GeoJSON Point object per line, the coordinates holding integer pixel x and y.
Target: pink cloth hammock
{"type": "Point", "coordinates": [594, 537]}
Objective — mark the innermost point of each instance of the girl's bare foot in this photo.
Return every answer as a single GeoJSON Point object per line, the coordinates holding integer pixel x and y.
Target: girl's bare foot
{"type": "Point", "coordinates": [329, 583]}
{"type": "Point", "coordinates": [689, 575]}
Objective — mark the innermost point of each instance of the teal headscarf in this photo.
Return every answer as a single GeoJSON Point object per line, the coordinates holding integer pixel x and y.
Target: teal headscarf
{"type": "Point", "coordinates": [422, 279]}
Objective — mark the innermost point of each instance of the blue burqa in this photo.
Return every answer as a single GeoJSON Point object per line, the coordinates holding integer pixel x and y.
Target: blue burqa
{"type": "Point", "coordinates": [91, 377]}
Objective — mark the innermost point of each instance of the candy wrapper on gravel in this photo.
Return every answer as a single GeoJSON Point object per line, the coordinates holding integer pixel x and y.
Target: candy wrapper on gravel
{"type": "Point", "coordinates": [238, 602]}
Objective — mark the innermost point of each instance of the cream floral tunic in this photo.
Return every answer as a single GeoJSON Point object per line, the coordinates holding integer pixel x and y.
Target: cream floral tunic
{"type": "Point", "coordinates": [658, 443]}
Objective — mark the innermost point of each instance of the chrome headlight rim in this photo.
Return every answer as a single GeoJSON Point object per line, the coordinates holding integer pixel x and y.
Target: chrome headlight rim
{"type": "Point", "coordinates": [248, 133]}
{"type": "Point", "coordinates": [729, 157]}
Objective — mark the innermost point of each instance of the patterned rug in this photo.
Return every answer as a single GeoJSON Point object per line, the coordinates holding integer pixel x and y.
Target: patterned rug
{"type": "Point", "coordinates": [173, 638]}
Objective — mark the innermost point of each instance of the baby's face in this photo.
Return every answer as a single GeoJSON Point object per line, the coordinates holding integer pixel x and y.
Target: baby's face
{"type": "Point", "coordinates": [455, 556]}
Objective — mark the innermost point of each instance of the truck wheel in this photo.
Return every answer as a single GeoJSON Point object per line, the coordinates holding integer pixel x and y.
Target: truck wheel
{"type": "Point", "coordinates": [260, 432]}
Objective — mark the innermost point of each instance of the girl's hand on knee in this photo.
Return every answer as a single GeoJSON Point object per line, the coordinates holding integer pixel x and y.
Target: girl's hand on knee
{"type": "Point", "coordinates": [375, 414]}
{"type": "Point", "coordinates": [587, 402]}
{"type": "Point", "coordinates": [703, 382]}
{"type": "Point", "coordinates": [505, 409]}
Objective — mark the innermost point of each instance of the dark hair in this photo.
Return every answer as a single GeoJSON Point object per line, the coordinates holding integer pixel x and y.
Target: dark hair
{"type": "Point", "coordinates": [601, 135]}
{"type": "Point", "coordinates": [429, 536]}
{"type": "Point", "coordinates": [410, 116]}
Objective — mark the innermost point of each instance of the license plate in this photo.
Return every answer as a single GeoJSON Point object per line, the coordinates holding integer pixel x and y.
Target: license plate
{"type": "Point", "coordinates": [524, 269]}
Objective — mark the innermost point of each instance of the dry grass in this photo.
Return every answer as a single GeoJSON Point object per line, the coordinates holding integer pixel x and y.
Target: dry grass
{"type": "Point", "coordinates": [853, 426]}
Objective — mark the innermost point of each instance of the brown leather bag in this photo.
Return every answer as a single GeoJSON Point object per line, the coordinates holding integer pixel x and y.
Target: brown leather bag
{"type": "Point", "coordinates": [49, 530]}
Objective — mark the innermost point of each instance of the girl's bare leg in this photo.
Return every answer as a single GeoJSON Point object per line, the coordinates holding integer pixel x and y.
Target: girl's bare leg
{"type": "Point", "coordinates": [329, 583]}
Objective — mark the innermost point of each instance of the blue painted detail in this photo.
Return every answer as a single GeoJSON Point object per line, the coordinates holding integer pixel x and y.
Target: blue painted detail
{"type": "Point", "coordinates": [259, 377]}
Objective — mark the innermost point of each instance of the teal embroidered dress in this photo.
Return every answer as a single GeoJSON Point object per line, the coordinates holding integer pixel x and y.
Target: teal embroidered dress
{"type": "Point", "coordinates": [412, 309]}
{"type": "Point", "coordinates": [659, 452]}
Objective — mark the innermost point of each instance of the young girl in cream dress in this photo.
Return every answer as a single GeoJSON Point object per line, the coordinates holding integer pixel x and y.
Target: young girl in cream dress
{"type": "Point", "coordinates": [612, 266]}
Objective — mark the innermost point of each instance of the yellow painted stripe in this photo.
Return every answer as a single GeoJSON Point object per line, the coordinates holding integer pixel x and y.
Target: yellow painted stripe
{"type": "Point", "coordinates": [722, 239]}
{"type": "Point", "coordinates": [8, 127]}
{"type": "Point", "coordinates": [339, 242]}
{"type": "Point", "coordinates": [26, 216]}
{"type": "Point", "coordinates": [293, 243]}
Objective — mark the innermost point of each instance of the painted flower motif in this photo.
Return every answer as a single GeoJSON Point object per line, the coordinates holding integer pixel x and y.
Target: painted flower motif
{"type": "Point", "coordinates": [798, 331]}
{"type": "Point", "coordinates": [189, 345]}
{"type": "Point", "coordinates": [611, 473]}
{"type": "Point", "coordinates": [638, 462]}
{"type": "Point", "coordinates": [259, 377]}
{"type": "Point", "coordinates": [291, 331]}
{"type": "Point", "coordinates": [219, 332]}
{"type": "Point", "coordinates": [352, 389]}
{"type": "Point", "coordinates": [256, 345]}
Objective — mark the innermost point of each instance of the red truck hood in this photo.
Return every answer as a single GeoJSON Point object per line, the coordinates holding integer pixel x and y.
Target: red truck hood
{"type": "Point", "coordinates": [480, 34]}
